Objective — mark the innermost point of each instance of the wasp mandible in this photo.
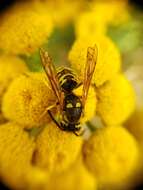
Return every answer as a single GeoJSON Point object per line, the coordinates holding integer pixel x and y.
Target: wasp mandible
{"type": "Point", "coordinates": [63, 82]}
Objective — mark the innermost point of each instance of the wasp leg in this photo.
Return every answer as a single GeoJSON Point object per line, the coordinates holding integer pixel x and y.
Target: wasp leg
{"type": "Point", "coordinates": [59, 124]}
{"type": "Point", "coordinates": [79, 131]}
{"type": "Point", "coordinates": [81, 83]}
{"type": "Point", "coordinates": [54, 120]}
{"type": "Point", "coordinates": [47, 109]}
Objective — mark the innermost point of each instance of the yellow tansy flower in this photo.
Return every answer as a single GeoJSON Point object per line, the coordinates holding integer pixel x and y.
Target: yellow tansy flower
{"type": "Point", "coordinates": [108, 60]}
{"type": "Point", "coordinates": [36, 179]}
{"type": "Point", "coordinates": [10, 68]}
{"type": "Point", "coordinates": [75, 177]}
{"type": "Point", "coordinates": [26, 100]}
{"type": "Point", "coordinates": [116, 100]}
{"type": "Point", "coordinates": [56, 149]}
{"type": "Point", "coordinates": [97, 19]}
{"type": "Point", "coordinates": [24, 27]}
{"type": "Point", "coordinates": [88, 24]}
{"type": "Point", "coordinates": [116, 9]}
{"type": "Point", "coordinates": [16, 150]}
{"type": "Point", "coordinates": [62, 12]}
{"type": "Point", "coordinates": [111, 154]}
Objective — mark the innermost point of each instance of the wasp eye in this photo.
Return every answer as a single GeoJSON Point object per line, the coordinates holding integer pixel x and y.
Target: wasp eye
{"type": "Point", "coordinates": [69, 105]}
{"type": "Point", "coordinates": [78, 105]}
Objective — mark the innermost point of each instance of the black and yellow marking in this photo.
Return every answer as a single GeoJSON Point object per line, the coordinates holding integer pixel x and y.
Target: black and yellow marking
{"type": "Point", "coordinates": [67, 79]}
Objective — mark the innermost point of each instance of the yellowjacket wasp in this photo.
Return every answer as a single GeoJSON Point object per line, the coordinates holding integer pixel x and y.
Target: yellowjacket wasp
{"type": "Point", "coordinates": [63, 82]}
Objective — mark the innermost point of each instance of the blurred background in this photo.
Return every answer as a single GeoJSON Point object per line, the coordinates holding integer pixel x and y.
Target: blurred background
{"type": "Point", "coordinates": [126, 30]}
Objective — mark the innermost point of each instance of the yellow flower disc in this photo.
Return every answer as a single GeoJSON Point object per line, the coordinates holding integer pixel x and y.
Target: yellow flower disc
{"type": "Point", "coordinates": [116, 100]}
{"type": "Point", "coordinates": [57, 149]}
{"type": "Point", "coordinates": [116, 9]}
{"type": "Point", "coordinates": [62, 12]}
{"type": "Point", "coordinates": [90, 104]}
{"type": "Point", "coordinates": [111, 154]}
{"type": "Point", "coordinates": [24, 28]}
{"type": "Point", "coordinates": [108, 60]}
{"type": "Point", "coordinates": [36, 179]}
{"type": "Point", "coordinates": [10, 68]}
{"type": "Point", "coordinates": [26, 100]}
{"type": "Point", "coordinates": [75, 177]}
{"type": "Point", "coordinates": [16, 150]}
{"type": "Point", "coordinates": [97, 19]}
{"type": "Point", "coordinates": [89, 24]}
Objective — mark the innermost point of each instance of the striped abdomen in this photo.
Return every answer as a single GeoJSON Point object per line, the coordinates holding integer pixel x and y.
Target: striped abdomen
{"type": "Point", "coordinates": [67, 79]}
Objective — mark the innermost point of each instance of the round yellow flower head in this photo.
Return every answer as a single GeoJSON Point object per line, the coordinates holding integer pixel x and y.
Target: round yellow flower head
{"type": "Point", "coordinates": [36, 179]}
{"type": "Point", "coordinates": [16, 151]}
{"type": "Point", "coordinates": [90, 104]}
{"type": "Point", "coordinates": [62, 12]}
{"type": "Point", "coordinates": [97, 19]}
{"type": "Point", "coordinates": [26, 100]}
{"type": "Point", "coordinates": [24, 27]}
{"type": "Point", "coordinates": [116, 100]}
{"type": "Point", "coordinates": [111, 154]}
{"type": "Point", "coordinates": [88, 24]}
{"type": "Point", "coordinates": [117, 11]}
{"type": "Point", "coordinates": [75, 177]}
{"type": "Point", "coordinates": [108, 59]}
{"type": "Point", "coordinates": [56, 149]}
{"type": "Point", "coordinates": [10, 68]}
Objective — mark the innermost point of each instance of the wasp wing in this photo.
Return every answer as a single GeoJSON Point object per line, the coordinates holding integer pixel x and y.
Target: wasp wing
{"type": "Point", "coordinates": [51, 73]}
{"type": "Point", "coordinates": [89, 70]}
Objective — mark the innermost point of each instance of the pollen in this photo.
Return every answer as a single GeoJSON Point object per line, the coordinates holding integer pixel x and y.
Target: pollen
{"type": "Point", "coordinates": [27, 99]}
{"type": "Point", "coordinates": [108, 58]}
{"type": "Point", "coordinates": [111, 154]}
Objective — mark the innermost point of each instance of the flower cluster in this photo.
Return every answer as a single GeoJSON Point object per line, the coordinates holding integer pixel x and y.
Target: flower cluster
{"type": "Point", "coordinates": [34, 152]}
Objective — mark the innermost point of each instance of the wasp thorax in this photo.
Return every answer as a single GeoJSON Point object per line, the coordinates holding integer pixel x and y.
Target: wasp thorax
{"type": "Point", "coordinates": [67, 79]}
{"type": "Point", "coordinates": [72, 108]}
